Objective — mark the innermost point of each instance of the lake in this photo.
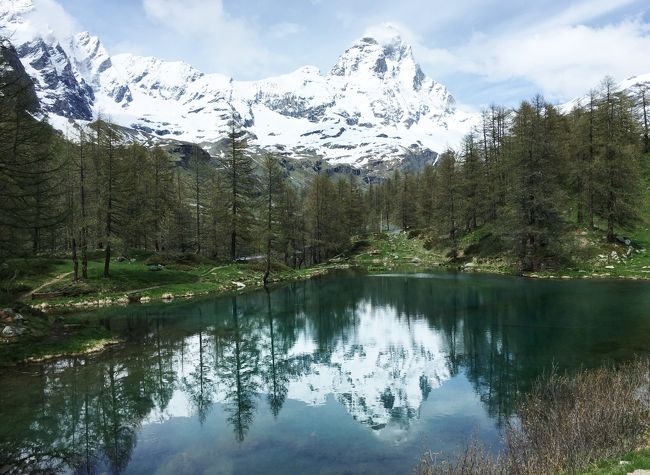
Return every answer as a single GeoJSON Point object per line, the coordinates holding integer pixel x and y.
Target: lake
{"type": "Point", "coordinates": [348, 374]}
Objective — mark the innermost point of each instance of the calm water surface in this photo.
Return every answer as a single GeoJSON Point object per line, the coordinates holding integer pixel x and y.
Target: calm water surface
{"type": "Point", "coordinates": [352, 374]}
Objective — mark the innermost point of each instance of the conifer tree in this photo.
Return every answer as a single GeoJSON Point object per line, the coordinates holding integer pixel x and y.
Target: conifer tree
{"type": "Point", "coordinates": [617, 159]}
{"type": "Point", "coordinates": [272, 187]}
{"type": "Point", "coordinates": [447, 200]}
{"type": "Point", "coordinates": [242, 187]}
{"type": "Point", "coordinates": [533, 220]}
{"type": "Point", "coordinates": [472, 183]}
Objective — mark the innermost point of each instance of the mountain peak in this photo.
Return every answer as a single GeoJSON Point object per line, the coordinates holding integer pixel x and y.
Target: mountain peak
{"type": "Point", "coordinates": [16, 6]}
{"type": "Point", "coordinates": [382, 54]}
{"type": "Point", "coordinates": [385, 34]}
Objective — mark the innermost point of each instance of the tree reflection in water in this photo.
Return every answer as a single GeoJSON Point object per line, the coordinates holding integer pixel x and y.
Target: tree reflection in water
{"type": "Point", "coordinates": [380, 345]}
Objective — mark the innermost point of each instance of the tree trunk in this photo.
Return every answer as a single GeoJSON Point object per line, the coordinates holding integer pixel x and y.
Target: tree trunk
{"type": "Point", "coordinates": [75, 261]}
{"type": "Point", "coordinates": [107, 260]}
{"type": "Point", "coordinates": [84, 256]}
{"type": "Point", "coordinates": [269, 225]}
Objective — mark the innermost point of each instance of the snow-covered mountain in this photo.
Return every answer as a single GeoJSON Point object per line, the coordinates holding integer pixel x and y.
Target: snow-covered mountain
{"type": "Point", "coordinates": [631, 85]}
{"type": "Point", "coordinates": [376, 105]}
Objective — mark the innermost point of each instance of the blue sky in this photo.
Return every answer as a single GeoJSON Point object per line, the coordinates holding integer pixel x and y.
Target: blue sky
{"type": "Point", "coordinates": [483, 51]}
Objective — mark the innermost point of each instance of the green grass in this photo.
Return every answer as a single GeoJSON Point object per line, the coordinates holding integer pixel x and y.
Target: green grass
{"type": "Point", "coordinates": [49, 338]}
{"type": "Point", "coordinates": [383, 252]}
{"type": "Point", "coordinates": [135, 278]}
{"type": "Point", "coordinates": [624, 465]}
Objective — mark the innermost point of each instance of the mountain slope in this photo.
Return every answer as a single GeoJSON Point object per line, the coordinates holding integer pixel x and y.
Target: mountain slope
{"type": "Point", "coordinates": [374, 108]}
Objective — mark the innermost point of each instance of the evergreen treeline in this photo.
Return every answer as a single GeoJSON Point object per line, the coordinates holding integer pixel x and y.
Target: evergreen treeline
{"type": "Point", "coordinates": [524, 175]}
{"type": "Point", "coordinates": [101, 192]}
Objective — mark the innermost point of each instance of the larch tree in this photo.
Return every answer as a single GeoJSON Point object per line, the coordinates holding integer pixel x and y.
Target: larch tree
{"type": "Point", "coordinates": [533, 219]}
{"type": "Point", "coordinates": [447, 200]}
{"type": "Point", "coordinates": [617, 158]}
{"type": "Point", "coordinates": [242, 188]}
{"type": "Point", "coordinates": [272, 188]}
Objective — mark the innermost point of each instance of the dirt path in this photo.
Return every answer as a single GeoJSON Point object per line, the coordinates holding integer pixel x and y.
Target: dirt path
{"type": "Point", "coordinates": [212, 270]}
{"type": "Point", "coordinates": [58, 278]}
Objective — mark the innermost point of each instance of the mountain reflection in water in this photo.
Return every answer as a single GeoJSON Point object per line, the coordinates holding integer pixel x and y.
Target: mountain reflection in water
{"type": "Point", "coordinates": [356, 373]}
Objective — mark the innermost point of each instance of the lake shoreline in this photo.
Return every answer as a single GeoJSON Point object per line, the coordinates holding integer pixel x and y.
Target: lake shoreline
{"type": "Point", "coordinates": [140, 286]}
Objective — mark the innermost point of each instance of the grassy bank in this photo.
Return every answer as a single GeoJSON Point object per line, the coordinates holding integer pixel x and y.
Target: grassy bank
{"type": "Point", "coordinates": [45, 298]}
{"type": "Point", "coordinates": [46, 283]}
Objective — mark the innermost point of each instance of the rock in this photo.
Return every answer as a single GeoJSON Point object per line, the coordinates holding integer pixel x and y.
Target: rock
{"type": "Point", "coordinates": [145, 300]}
{"type": "Point", "coordinates": [470, 265]}
{"type": "Point", "coordinates": [8, 311]}
{"type": "Point", "coordinates": [19, 318]}
{"type": "Point", "coordinates": [614, 255]}
{"type": "Point", "coordinates": [416, 260]}
{"type": "Point", "coordinates": [10, 332]}
{"type": "Point", "coordinates": [167, 296]}
{"type": "Point", "coordinates": [239, 285]}
{"type": "Point", "coordinates": [123, 300]}
{"type": "Point", "coordinates": [609, 267]}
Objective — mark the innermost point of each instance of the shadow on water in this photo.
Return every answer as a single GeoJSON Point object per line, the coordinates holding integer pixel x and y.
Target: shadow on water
{"type": "Point", "coordinates": [352, 373]}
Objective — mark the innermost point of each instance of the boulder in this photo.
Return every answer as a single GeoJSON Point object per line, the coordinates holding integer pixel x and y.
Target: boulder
{"type": "Point", "coordinates": [168, 296]}
{"type": "Point", "coordinates": [10, 332]}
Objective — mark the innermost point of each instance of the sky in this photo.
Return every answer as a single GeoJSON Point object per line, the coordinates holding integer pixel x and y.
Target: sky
{"type": "Point", "coordinates": [484, 51]}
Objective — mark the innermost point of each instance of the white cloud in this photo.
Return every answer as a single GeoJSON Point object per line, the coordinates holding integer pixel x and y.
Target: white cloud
{"type": "Point", "coordinates": [564, 61]}
{"type": "Point", "coordinates": [49, 12]}
{"type": "Point", "coordinates": [562, 56]}
{"type": "Point", "coordinates": [282, 30]}
{"type": "Point", "coordinates": [232, 44]}
{"type": "Point", "coordinates": [46, 18]}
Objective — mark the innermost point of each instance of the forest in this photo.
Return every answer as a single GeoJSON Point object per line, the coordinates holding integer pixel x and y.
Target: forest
{"type": "Point", "coordinates": [524, 177]}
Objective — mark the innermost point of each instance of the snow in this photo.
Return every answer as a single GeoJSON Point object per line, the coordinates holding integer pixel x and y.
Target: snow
{"type": "Point", "coordinates": [375, 103]}
{"type": "Point", "coordinates": [629, 84]}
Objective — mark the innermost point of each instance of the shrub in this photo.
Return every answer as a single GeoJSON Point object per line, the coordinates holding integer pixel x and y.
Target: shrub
{"type": "Point", "coordinates": [566, 423]}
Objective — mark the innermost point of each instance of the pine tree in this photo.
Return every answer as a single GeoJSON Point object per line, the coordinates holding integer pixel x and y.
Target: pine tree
{"type": "Point", "coordinates": [272, 187]}
{"type": "Point", "coordinates": [472, 183]}
{"type": "Point", "coordinates": [292, 228]}
{"type": "Point", "coordinates": [581, 160]}
{"type": "Point", "coordinates": [447, 200]}
{"type": "Point", "coordinates": [242, 185]}
{"type": "Point", "coordinates": [643, 97]}
{"type": "Point", "coordinates": [198, 168]}
{"type": "Point", "coordinates": [533, 219]}
{"type": "Point", "coordinates": [161, 178]}
{"type": "Point", "coordinates": [617, 159]}
{"type": "Point", "coordinates": [425, 196]}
